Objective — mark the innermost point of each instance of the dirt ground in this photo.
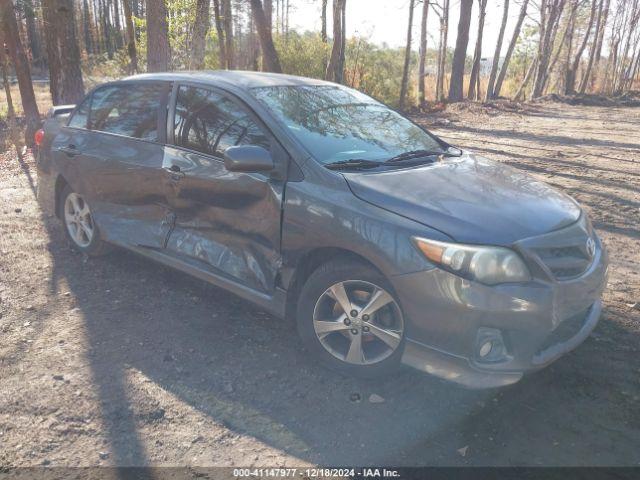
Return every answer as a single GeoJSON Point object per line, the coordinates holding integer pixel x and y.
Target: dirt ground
{"type": "Point", "coordinates": [118, 361]}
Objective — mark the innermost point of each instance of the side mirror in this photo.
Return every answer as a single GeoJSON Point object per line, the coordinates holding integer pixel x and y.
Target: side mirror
{"type": "Point", "coordinates": [247, 158]}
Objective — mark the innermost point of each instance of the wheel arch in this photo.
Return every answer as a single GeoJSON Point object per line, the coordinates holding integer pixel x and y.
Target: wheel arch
{"type": "Point", "coordinates": [308, 263]}
{"type": "Point", "coordinates": [60, 185]}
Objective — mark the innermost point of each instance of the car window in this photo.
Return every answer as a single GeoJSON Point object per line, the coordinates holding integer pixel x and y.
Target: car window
{"type": "Point", "coordinates": [337, 123]}
{"type": "Point", "coordinates": [209, 122]}
{"type": "Point", "coordinates": [130, 110]}
{"type": "Point", "coordinates": [81, 114]}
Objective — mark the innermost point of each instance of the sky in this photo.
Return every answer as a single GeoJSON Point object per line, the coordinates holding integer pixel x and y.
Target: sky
{"type": "Point", "coordinates": [386, 21]}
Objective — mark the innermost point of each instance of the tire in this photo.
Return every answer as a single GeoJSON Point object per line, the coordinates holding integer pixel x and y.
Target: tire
{"type": "Point", "coordinates": [78, 225]}
{"type": "Point", "coordinates": [318, 312]}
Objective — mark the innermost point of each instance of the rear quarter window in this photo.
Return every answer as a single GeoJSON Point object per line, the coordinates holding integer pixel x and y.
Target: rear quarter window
{"type": "Point", "coordinates": [80, 115]}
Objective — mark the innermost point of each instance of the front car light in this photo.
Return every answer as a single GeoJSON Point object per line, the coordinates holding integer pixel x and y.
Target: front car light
{"type": "Point", "coordinates": [484, 264]}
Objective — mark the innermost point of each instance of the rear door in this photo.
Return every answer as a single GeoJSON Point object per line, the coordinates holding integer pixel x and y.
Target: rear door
{"type": "Point", "coordinates": [117, 165]}
{"type": "Point", "coordinates": [226, 221]}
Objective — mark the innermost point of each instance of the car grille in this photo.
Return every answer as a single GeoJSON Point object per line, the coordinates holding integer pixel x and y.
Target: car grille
{"type": "Point", "coordinates": [566, 330]}
{"type": "Point", "coordinates": [565, 262]}
{"type": "Point", "coordinates": [563, 254]}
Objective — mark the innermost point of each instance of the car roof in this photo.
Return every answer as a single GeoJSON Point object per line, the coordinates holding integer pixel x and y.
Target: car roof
{"type": "Point", "coordinates": [238, 78]}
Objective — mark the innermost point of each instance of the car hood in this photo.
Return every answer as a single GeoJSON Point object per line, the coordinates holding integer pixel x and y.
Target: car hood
{"type": "Point", "coordinates": [470, 198]}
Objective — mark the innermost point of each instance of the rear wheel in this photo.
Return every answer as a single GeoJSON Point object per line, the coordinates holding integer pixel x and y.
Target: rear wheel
{"type": "Point", "coordinates": [80, 229]}
{"type": "Point", "coordinates": [349, 318]}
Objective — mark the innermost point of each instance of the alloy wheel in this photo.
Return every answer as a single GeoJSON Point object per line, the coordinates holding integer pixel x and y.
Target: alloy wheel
{"type": "Point", "coordinates": [358, 322]}
{"type": "Point", "coordinates": [78, 220]}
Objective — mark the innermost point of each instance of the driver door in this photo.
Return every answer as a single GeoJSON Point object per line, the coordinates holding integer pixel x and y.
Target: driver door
{"type": "Point", "coordinates": [228, 222]}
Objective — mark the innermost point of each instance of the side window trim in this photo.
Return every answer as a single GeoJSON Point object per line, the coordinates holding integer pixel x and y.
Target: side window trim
{"type": "Point", "coordinates": [171, 112]}
{"type": "Point", "coordinates": [163, 111]}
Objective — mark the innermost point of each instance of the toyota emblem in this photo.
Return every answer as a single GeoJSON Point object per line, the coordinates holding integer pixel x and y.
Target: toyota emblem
{"type": "Point", "coordinates": [591, 247]}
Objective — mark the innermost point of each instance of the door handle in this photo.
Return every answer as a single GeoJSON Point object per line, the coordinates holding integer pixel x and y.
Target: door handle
{"type": "Point", "coordinates": [70, 150]}
{"type": "Point", "coordinates": [174, 173]}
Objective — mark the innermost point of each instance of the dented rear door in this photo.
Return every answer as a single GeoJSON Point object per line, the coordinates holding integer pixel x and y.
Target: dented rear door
{"type": "Point", "coordinates": [228, 222]}
{"type": "Point", "coordinates": [125, 176]}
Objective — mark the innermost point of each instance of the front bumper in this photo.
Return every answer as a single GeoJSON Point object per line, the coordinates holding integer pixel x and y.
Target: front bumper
{"type": "Point", "coordinates": [539, 322]}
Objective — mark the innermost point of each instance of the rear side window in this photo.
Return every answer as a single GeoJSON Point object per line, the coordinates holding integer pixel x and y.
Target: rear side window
{"type": "Point", "coordinates": [209, 122]}
{"type": "Point", "coordinates": [131, 110]}
{"type": "Point", "coordinates": [81, 114]}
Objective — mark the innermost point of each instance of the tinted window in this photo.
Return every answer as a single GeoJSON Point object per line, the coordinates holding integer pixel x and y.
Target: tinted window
{"type": "Point", "coordinates": [81, 114]}
{"type": "Point", "coordinates": [338, 123]}
{"type": "Point", "coordinates": [209, 122]}
{"type": "Point", "coordinates": [130, 110]}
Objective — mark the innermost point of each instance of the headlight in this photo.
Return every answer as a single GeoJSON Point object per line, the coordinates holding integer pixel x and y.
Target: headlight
{"type": "Point", "coordinates": [489, 265]}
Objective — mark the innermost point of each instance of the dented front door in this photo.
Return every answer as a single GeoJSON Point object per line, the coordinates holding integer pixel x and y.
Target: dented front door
{"type": "Point", "coordinates": [228, 222]}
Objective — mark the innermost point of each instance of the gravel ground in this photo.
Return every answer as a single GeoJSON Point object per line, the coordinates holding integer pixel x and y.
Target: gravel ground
{"type": "Point", "coordinates": [118, 361]}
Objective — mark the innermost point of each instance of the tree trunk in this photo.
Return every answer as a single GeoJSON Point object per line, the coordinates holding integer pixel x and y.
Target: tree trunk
{"type": "Point", "coordinates": [268, 13]}
{"type": "Point", "coordinates": [423, 52]}
{"type": "Point", "coordinates": [199, 38]}
{"type": "Point", "coordinates": [227, 22]}
{"type": "Point", "coordinates": [11, 38]}
{"type": "Point", "coordinates": [496, 55]}
{"type": "Point", "coordinates": [628, 31]}
{"type": "Point", "coordinates": [567, 38]}
{"type": "Point", "coordinates": [571, 74]}
{"type": "Point", "coordinates": [634, 70]}
{"type": "Point", "coordinates": [4, 65]}
{"type": "Point", "coordinates": [532, 67]}
{"type": "Point", "coordinates": [442, 50]}
{"type": "Point", "coordinates": [222, 51]}
{"type": "Point", "coordinates": [323, 16]}
{"type": "Point", "coordinates": [11, 113]}
{"type": "Point", "coordinates": [407, 58]}
{"type": "Point", "coordinates": [98, 41]}
{"type": "Point", "coordinates": [456, 90]}
{"type": "Point", "coordinates": [116, 21]}
{"type": "Point", "coordinates": [603, 28]}
{"type": "Point", "coordinates": [270, 60]}
{"type": "Point", "coordinates": [569, 77]}
{"type": "Point", "coordinates": [86, 27]}
{"type": "Point", "coordinates": [550, 12]}
{"type": "Point", "coordinates": [510, 49]}
{"type": "Point", "coordinates": [612, 62]}
{"type": "Point", "coordinates": [106, 28]}
{"type": "Point", "coordinates": [335, 68]}
{"type": "Point", "coordinates": [286, 22]}
{"type": "Point", "coordinates": [158, 53]}
{"type": "Point", "coordinates": [65, 76]}
{"type": "Point", "coordinates": [343, 44]}
{"type": "Point", "coordinates": [131, 37]}
{"type": "Point", "coordinates": [32, 32]}
{"type": "Point", "coordinates": [592, 50]}
{"type": "Point", "coordinates": [474, 80]}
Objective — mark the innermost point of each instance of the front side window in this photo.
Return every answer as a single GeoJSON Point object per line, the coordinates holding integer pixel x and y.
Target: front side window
{"type": "Point", "coordinates": [338, 123]}
{"type": "Point", "coordinates": [209, 122]}
{"type": "Point", "coordinates": [131, 110]}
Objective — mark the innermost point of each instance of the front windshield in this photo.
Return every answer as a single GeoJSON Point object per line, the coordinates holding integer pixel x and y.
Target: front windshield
{"type": "Point", "coordinates": [337, 124]}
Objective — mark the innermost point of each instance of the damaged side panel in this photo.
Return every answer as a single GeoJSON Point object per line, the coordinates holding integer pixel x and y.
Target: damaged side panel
{"type": "Point", "coordinates": [225, 220]}
{"type": "Point", "coordinates": [123, 180]}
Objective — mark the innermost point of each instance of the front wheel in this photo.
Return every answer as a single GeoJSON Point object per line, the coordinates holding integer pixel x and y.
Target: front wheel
{"type": "Point", "coordinates": [80, 228]}
{"type": "Point", "coordinates": [349, 318]}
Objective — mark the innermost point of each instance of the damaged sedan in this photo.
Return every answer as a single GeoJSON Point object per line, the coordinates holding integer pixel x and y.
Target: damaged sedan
{"type": "Point", "coordinates": [386, 244]}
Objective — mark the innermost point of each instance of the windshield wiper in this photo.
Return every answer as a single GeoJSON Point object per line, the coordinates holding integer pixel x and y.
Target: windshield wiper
{"type": "Point", "coordinates": [414, 154]}
{"type": "Point", "coordinates": [420, 153]}
{"type": "Point", "coordinates": [353, 163]}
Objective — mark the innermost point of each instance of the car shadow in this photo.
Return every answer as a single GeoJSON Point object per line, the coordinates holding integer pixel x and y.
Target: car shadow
{"type": "Point", "coordinates": [243, 368]}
